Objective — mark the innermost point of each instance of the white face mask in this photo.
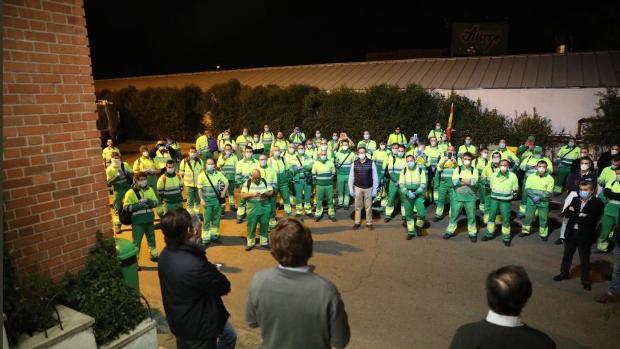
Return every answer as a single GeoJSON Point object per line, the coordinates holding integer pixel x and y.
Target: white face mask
{"type": "Point", "coordinates": [437, 127]}
{"type": "Point", "coordinates": [263, 163]}
{"type": "Point", "coordinates": [584, 167]}
{"type": "Point", "coordinates": [323, 157]}
{"type": "Point", "coordinates": [614, 152]}
{"type": "Point", "coordinates": [210, 168]}
{"type": "Point", "coordinates": [382, 147]}
{"type": "Point", "coordinates": [618, 177]}
{"type": "Point", "coordinates": [318, 135]}
{"type": "Point", "coordinates": [228, 152]}
{"type": "Point", "coordinates": [255, 140]}
{"type": "Point", "coordinates": [142, 183]}
{"type": "Point", "coordinates": [324, 147]}
{"type": "Point", "coordinates": [362, 156]}
{"type": "Point", "coordinates": [276, 154]}
{"type": "Point", "coordinates": [503, 168]}
{"type": "Point", "coordinates": [366, 136]}
{"type": "Point", "coordinates": [542, 170]}
{"type": "Point", "coordinates": [335, 138]}
{"type": "Point", "coordinates": [170, 170]}
{"type": "Point", "coordinates": [466, 162]}
{"type": "Point", "coordinates": [301, 151]}
{"type": "Point", "coordinates": [433, 143]}
{"type": "Point", "coordinates": [248, 155]}
{"type": "Point", "coordinates": [245, 133]}
{"type": "Point", "coordinates": [116, 162]}
{"type": "Point", "coordinates": [266, 129]}
{"type": "Point", "coordinates": [193, 155]}
{"type": "Point", "coordinates": [485, 155]}
{"type": "Point", "coordinates": [496, 160]}
{"type": "Point", "coordinates": [401, 154]}
{"type": "Point", "coordinates": [145, 154]}
{"type": "Point", "coordinates": [502, 145]}
{"type": "Point", "coordinates": [345, 147]}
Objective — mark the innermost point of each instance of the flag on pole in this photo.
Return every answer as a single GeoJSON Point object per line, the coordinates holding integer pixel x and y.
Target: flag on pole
{"type": "Point", "coordinates": [449, 128]}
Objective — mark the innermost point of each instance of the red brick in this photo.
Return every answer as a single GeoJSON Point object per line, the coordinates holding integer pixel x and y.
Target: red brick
{"type": "Point", "coordinates": [46, 78]}
{"type": "Point", "coordinates": [51, 205]}
{"type": "Point", "coordinates": [65, 193]}
{"type": "Point", "coordinates": [46, 216]}
{"type": "Point", "coordinates": [46, 245]}
{"type": "Point", "coordinates": [43, 188]}
{"type": "Point", "coordinates": [39, 36]}
{"type": "Point", "coordinates": [23, 88]}
{"type": "Point", "coordinates": [16, 183]}
{"type": "Point", "coordinates": [24, 221]}
{"type": "Point", "coordinates": [58, 138]}
{"type": "Point", "coordinates": [33, 14]}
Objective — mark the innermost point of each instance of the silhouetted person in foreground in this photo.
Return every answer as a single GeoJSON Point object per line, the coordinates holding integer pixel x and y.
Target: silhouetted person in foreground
{"type": "Point", "coordinates": [508, 289]}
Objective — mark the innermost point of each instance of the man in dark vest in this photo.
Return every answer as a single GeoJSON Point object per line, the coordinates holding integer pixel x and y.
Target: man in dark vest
{"type": "Point", "coordinates": [363, 185]}
{"type": "Point", "coordinates": [583, 213]}
{"type": "Point", "coordinates": [508, 289]}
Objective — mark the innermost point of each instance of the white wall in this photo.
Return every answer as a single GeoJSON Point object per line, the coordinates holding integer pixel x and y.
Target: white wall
{"type": "Point", "coordinates": [564, 106]}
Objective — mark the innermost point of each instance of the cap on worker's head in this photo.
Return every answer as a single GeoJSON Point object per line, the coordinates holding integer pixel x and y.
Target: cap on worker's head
{"type": "Point", "coordinates": [530, 138]}
{"type": "Point", "coordinates": [538, 149]}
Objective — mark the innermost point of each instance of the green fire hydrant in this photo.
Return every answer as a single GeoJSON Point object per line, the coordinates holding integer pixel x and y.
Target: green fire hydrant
{"type": "Point", "coordinates": [126, 253]}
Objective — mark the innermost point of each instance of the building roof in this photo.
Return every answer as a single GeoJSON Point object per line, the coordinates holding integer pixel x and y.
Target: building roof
{"type": "Point", "coordinates": [570, 70]}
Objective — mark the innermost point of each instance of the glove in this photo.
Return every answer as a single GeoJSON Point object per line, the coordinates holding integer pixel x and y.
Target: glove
{"type": "Point", "coordinates": [143, 202]}
{"type": "Point", "coordinates": [536, 199]}
{"type": "Point", "coordinates": [411, 195]}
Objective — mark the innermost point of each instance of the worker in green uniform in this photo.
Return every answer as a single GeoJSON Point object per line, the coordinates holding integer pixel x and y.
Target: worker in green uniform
{"type": "Point", "coordinates": [242, 174]}
{"type": "Point", "coordinates": [202, 146]}
{"type": "Point", "coordinates": [397, 137]}
{"type": "Point", "coordinates": [289, 156]}
{"type": "Point", "coordinates": [146, 164]}
{"type": "Point", "coordinates": [538, 189]}
{"type": "Point", "coordinates": [380, 156]}
{"type": "Point", "coordinates": [140, 201]}
{"type": "Point", "coordinates": [504, 186]}
{"type": "Point", "coordinates": [566, 155]}
{"type": "Point", "coordinates": [169, 190]}
{"type": "Point", "coordinates": [485, 178]}
{"type": "Point", "coordinates": [433, 155]}
{"type": "Point", "coordinates": [480, 163]}
{"type": "Point", "coordinates": [281, 143]}
{"type": "Point", "coordinates": [212, 187]}
{"type": "Point", "coordinates": [270, 175]}
{"type": "Point", "coordinates": [323, 171]}
{"type": "Point", "coordinates": [323, 146]}
{"type": "Point", "coordinates": [175, 151]}
{"type": "Point", "coordinates": [283, 173]}
{"type": "Point", "coordinates": [529, 165]}
{"type": "Point", "coordinates": [226, 139]}
{"type": "Point", "coordinates": [120, 176]}
{"type": "Point", "coordinates": [227, 164]}
{"type": "Point", "coordinates": [508, 155]}
{"type": "Point", "coordinates": [611, 198]}
{"type": "Point", "coordinates": [106, 153]}
{"type": "Point", "coordinates": [243, 140]}
{"type": "Point", "coordinates": [437, 132]}
{"type": "Point", "coordinates": [297, 137]}
{"type": "Point", "coordinates": [343, 160]}
{"type": "Point", "coordinates": [317, 139]}
{"type": "Point", "coordinates": [189, 169]}
{"type": "Point", "coordinates": [301, 168]}
{"type": "Point", "coordinates": [467, 147]}
{"type": "Point", "coordinates": [412, 185]}
{"type": "Point", "coordinates": [267, 138]}
{"type": "Point", "coordinates": [445, 169]}
{"type": "Point", "coordinates": [464, 179]}
{"type": "Point", "coordinates": [369, 144]}
{"type": "Point", "coordinates": [257, 147]}
{"type": "Point", "coordinates": [392, 169]}
{"type": "Point", "coordinates": [444, 143]}
{"type": "Point", "coordinates": [256, 192]}
{"type": "Point", "coordinates": [334, 143]}
{"type": "Point", "coordinates": [161, 156]}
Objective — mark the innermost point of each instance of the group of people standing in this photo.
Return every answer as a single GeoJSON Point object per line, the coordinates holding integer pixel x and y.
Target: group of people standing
{"type": "Point", "coordinates": [303, 175]}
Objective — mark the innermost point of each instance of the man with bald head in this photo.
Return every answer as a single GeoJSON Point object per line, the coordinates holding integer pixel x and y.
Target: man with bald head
{"type": "Point", "coordinates": [256, 191]}
{"type": "Point", "coordinates": [508, 290]}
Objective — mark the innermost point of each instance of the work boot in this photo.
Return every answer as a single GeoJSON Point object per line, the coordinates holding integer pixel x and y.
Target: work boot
{"type": "Point", "coordinates": [249, 248]}
{"type": "Point", "coordinates": [356, 226]}
{"type": "Point", "coordinates": [370, 227]}
{"type": "Point", "coordinates": [544, 238]}
{"type": "Point", "coordinates": [560, 277]}
{"type": "Point", "coordinates": [333, 218]}
{"type": "Point", "coordinates": [559, 241]}
{"type": "Point", "coordinates": [447, 236]}
{"type": "Point", "coordinates": [507, 243]}
{"type": "Point", "coordinates": [473, 239]}
{"type": "Point", "coordinates": [522, 234]}
{"type": "Point", "coordinates": [410, 236]}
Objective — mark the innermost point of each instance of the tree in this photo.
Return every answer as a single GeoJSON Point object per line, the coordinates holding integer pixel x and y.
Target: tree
{"type": "Point", "coordinates": [604, 128]}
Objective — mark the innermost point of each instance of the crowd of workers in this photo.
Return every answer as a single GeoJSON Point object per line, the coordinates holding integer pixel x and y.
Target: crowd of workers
{"type": "Point", "coordinates": [302, 175]}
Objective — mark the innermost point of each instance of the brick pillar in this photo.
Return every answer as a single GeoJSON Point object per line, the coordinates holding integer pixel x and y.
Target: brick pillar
{"type": "Point", "coordinates": [54, 182]}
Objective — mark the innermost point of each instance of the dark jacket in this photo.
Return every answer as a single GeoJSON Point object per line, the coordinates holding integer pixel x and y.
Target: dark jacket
{"type": "Point", "coordinates": [575, 178]}
{"type": "Point", "coordinates": [585, 219]}
{"type": "Point", "coordinates": [191, 289]}
{"type": "Point", "coordinates": [486, 335]}
{"type": "Point", "coordinates": [603, 161]}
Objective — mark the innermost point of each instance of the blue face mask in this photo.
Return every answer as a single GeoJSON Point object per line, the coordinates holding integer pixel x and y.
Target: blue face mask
{"type": "Point", "coordinates": [584, 194]}
{"type": "Point", "coordinates": [411, 164]}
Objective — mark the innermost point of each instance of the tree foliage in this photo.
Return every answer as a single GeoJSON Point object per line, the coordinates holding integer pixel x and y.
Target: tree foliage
{"type": "Point", "coordinates": [604, 128]}
{"type": "Point", "coordinates": [379, 110]}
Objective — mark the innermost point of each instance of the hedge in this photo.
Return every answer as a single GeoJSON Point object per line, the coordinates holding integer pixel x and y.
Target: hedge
{"type": "Point", "coordinates": [156, 112]}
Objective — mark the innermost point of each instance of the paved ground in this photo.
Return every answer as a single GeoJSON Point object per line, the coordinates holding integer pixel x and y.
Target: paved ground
{"type": "Point", "coordinates": [414, 294]}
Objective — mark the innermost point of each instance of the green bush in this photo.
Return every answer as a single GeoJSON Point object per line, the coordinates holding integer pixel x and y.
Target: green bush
{"type": "Point", "coordinates": [604, 128]}
{"type": "Point", "coordinates": [99, 291]}
{"type": "Point", "coordinates": [28, 303]}
{"type": "Point", "coordinates": [145, 114]}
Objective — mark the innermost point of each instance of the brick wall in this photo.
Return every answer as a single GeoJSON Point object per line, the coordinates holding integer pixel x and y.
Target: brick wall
{"type": "Point", "coordinates": [54, 182]}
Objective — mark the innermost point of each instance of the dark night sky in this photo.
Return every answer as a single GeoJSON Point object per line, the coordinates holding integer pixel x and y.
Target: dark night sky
{"type": "Point", "coordinates": [135, 37]}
